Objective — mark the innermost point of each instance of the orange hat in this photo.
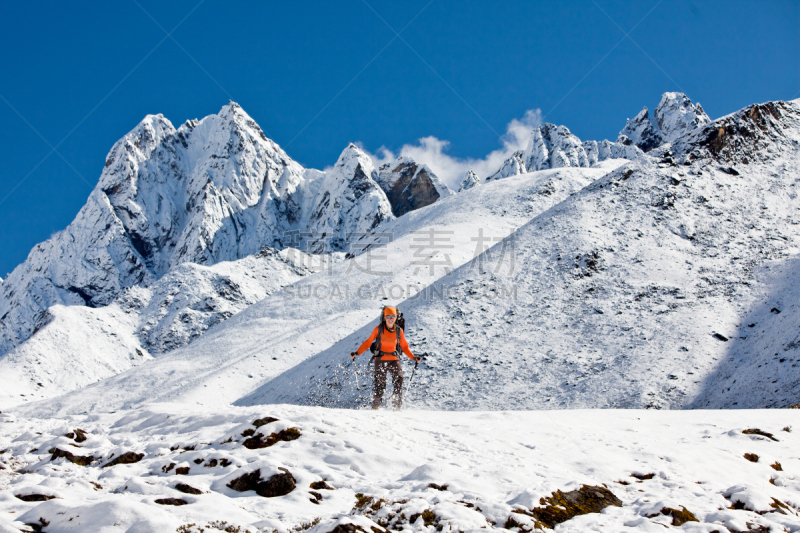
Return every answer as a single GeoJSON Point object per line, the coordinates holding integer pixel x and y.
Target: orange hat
{"type": "Point", "coordinates": [389, 311]}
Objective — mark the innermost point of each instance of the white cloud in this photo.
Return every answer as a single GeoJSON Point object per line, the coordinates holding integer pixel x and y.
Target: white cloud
{"type": "Point", "coordinates": [432, 152]}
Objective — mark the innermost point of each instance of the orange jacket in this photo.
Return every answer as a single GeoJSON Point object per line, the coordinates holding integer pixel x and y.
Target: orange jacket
{"type": "Point", "coordinates": [388, 344]}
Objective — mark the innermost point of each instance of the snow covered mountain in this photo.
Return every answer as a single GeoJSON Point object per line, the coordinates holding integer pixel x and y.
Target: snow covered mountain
{"type": "Point", "coordinates": [670, 282]}
{"type": "Point", "coordinates": [552, 146]}
{"type": "Point", "coordinates": [209, 191]}
{"type": "Point", "coordinates": [674, 117]}
{"type": "Point", "coordinates": [470, 180]}
{"type": "Point", "coordinates": [513, 166]}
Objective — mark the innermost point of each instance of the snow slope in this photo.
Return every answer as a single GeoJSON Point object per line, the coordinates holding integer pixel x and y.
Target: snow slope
{"type": "Point", "coordinates": [282, 330]}
{"type": "Point", "coordinates": [74, 346]}
{"type": "Point", "coordinates": [626, 294]}
{"type": "Point", "coordinates": [413, 471]}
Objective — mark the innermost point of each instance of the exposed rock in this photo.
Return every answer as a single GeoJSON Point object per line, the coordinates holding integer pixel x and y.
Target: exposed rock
{"type": "Point", "coordinates": [410, 186]}
{"type": "Point", "coordinates": [554, 146]}
{"type": "Point", "coordinates": [561, 506]}
{"type": "Point", "coordinates": [755, 133]}
{"type": "Point", "coordinates": [349, 528]}
{"type": "Point", "coordinates": [259, 441]}
{"type": "Point", "coordinates": [191, 298]}
{"type": "Point", "coordinates": [264, 421]}
{"type": "Point", "coordinates": [80, 460]}
{"type": "Point", "coordinates": [320, 485]}
{"type": "Point", "coordinates": [277, 484]}
{"type": "Point", "coordinates": [78, 436]}
{"type": "Point", "coordinates": [187, 489]}
{"type": "Point", "coordinates": [38, 527]}
{"type": "Point", "coordinates": [34, 497]}
{"type": "Point", "coordinates": [171, 501]}
{"type": "Point", "coordinates": [182, 471]}
{"type": "Point", "coordinates": [752, 457]}
{"type": "Point", "coordinates": [641, 132]}
{"type": "Point", "coordinates": [125, 459]}
{"type": "Point", "coordinates": [756, 431]}
{"type": "Point", "coordinates": [679, 517]}
{"type": "Point", "coordinates": [429, 518]}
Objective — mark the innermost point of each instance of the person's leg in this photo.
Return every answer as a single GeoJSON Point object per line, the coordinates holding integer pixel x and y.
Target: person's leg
{"type": "Point", "coordinates": [380, 383]}
{"type": "Point", "coordinates": [396, 369]}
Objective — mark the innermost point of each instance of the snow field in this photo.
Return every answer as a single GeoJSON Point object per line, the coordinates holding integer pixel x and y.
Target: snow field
{"type": "Point", "coordinates": [380, 467]}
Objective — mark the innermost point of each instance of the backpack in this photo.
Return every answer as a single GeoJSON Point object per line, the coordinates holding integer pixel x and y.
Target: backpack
{"type": "Point", "coordinates": [400, 323]}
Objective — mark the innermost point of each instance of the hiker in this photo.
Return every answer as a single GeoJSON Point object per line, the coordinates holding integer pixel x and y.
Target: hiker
{"type": "Point", "coordinates": [390, 342]}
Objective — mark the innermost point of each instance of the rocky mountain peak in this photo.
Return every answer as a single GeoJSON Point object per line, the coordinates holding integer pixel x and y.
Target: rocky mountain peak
{"type": "Point", "coordinates": [641, 132]}
{"type": "Point", "coordinates": [512, 166]}
{"type": "Point", "coordinates": [470, 180]}
{"type": "Point", "coordinates": [676, 115]}
{"type": "Point", "coordinates": [757, 133]}
{"type": "Point", "coordinates": [348, 204]}
{"type": "Point", "coordinates": [553, 146]}
{"type": "Point", "coordinates": [409, 185]}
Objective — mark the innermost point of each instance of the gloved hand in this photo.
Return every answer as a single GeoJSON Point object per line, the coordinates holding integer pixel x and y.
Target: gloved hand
{"type": "Point", "coordinates": [353, 355]}
{"type": "Point", "coordinates": [417, 358]}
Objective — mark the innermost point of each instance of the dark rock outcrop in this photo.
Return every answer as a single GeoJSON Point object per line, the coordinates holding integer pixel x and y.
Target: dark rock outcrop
{"type": "Point", "coordinates": [171, 501]}
{"type": "Point", "coordinates": [80, 460]}
{"type": "Point", "coordinates": [125, 459]}
{"type": "Point", "coordinates": [260, 441]}
{"type": "Point", "coordinates": [276, 485]}
{"type": "Point", "coordinates": [409, 185]}
{"type": "Point", "coordinates": [562, 506]}
{"type": "Point", "coordinates": [187, 489]}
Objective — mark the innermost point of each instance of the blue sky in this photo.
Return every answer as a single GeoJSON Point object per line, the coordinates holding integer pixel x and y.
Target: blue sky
{"type": "Point", "coordinates": [317, 75]}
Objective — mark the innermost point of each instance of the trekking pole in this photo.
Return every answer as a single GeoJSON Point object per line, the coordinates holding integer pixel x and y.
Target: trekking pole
{"type": "Point", "coordinates": [355, 371]}
{"type": "Point", "coordinates": [416, 364]}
